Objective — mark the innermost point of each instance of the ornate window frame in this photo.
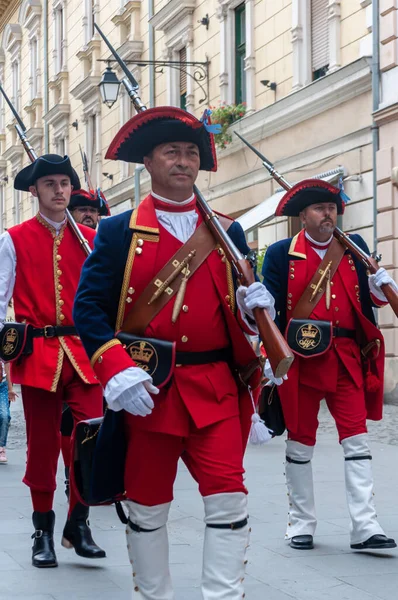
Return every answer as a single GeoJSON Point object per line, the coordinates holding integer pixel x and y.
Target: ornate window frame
{"type": "Point", "coordinates": [301, 40]}
{"type": "Point", "coordinates": [226, 16]}
{"type": "Point", "coordinates": [60, 36]}
{"type": "Point", "coordinates": [175, 20]}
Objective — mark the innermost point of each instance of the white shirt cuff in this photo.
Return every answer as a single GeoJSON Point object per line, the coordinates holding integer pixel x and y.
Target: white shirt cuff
{"type": "Point", "coordinates": [122, 382]}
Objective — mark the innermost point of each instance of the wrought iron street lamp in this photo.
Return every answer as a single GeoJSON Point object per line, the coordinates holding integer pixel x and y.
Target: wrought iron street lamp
{"type": "Point", "coordinates": [109, 87]}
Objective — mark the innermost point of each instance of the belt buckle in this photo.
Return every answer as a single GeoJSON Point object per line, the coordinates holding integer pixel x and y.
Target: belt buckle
{"type": "Point", "coordinates": [46, 334]}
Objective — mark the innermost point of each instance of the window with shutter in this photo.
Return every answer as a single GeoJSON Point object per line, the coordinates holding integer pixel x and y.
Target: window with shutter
{"type": "Point", "coordinates": [319, 38]}
{"type": "Point", "coordinates": [240, 53]}
{"type": "Point", "coordinates": [183, 78]}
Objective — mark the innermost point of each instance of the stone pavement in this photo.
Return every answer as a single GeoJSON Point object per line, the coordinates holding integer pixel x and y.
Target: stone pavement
{"type": "Point", "coordinates": [274, 572]}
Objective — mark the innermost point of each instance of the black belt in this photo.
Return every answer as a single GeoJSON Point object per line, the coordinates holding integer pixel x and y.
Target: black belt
{"type": "Point", "coordinates": [202, 358]}
{"type": "Point", "coordinates": [50, 331]}
{"type": "Point", "coordinates": [342, 332]}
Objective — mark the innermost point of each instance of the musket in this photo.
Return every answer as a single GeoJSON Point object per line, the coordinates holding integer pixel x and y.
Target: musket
{"type": "Point", "coordinates": [278, 352]}
{"type": "Point", "coordinates": [368, 261]}
{"type": "Point", "coordinates": [21, 129]}
{"type": "Point", "coordinates": [85, 169]}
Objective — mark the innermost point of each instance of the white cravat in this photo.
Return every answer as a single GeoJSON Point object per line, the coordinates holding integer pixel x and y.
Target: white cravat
{"type": "Point", "coordinates": [57, 226]}
{"type": "Point", "coordinates": [320, 252]}
{"type": "Point", "coordinates": [180, 224]}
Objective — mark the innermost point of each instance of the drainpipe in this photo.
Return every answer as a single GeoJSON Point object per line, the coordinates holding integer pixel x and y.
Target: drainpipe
{"type": "Point", "coordinates": [151, 34]}
{"type": "Point", "coordinates": [137, 184]}
{"type": "Point", "coordinates": [45, 74]}
{"type": "Point", "coordinates": [375, 106]}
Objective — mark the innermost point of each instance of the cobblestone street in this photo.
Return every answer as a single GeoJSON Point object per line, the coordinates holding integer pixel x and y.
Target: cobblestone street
{"type": "Point", "coordinates": [275, 572]}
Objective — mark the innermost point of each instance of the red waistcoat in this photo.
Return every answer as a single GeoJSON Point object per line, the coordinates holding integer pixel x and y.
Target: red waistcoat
{"type": "Point", "coordinates": [47, 274]}
{"type": "Point", "coordinates": [206, 393]}
{"type": "Point", "coordinates": [344, 311]}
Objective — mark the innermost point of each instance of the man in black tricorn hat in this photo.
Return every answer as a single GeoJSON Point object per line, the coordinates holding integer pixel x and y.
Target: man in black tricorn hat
{"type": "Point", "coordinates": [324, 301]}
{"type": "Point", "coordinates": [40, 264]}
{"type": "Point", "coordinates": [87, 208]}
{"type": "Point", "coordinates": [200, 410]}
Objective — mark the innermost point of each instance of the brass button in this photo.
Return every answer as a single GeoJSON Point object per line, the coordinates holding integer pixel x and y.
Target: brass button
{"type": "Point", "coordinates": [100, 359]}
{"type": "Point", "coordinates": [185, 308]}
{"type": "Point", "coordinates": [61, 302]}
{"type": "Point", "coordinates": [337, 322]}
{"type": "Point", "coordinates": [131, 290]}
{"type": "Point", "coordinates": [292, 269]}
{"type": "Point", "coordinates": [59, 272]}
{"type": "Point", "coordinates": [58, 257]}
{"type": "Point", "coordinates": [138, 250]}
{"type": "Point", "coordinates": [289, 308]}
{"type": "Point", "coordinates": [290, 295]}
{"type": "Point", "coordinates": [334, 296]}
{"type": "Point", "coordinates": [351, 262]}
{"type": "Point", "coordinates": [292, 263]}
{"type": "Point", "coordinates": [289, 301]}
{"type": "Point", "coordinates": [60, 287]}
{"type": "Point", "coordinates": [140, 242]}
{"type": "Point", "coordinates": [128, 300]}
{"type": "Point", "coordinates": [336, 308]}
{"type": "Point", "coordinates": [357, 287]}
{"type": "Point", "coordinates": [177, 366]}
{"type": "Point", "coordinates": [58, 242]}
{"type": "Point", "coordinates": [332, 283]}
{"type": "Point", "coordinates": [227, 298]}
{"type": "Point", "coordinates": [291, 276]}
{"type": "Point", "coordinates": [61, 317]}
{"type": "Point", "coordinates": [220, 251]}
{"type": "Point", "coordinates": [352, 268]}
{"type": "Point", "coordinates": [184, 338]}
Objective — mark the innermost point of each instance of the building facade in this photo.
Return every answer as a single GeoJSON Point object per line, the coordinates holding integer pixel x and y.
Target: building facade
{"type": "Point", "coordinates": [303, 68]}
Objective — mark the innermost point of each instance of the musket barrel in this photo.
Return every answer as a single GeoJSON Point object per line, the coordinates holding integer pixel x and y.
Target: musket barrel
{"type": "Point", "coordinates": [20, 129]}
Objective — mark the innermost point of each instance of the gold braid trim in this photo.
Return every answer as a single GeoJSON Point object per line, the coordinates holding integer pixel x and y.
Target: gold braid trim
{"type": "Point", "coordinates": [133, 224]}
{"type": "Point", "coordinates": [103, 349]}
{"type": "Point", "coordinates": [231, 289]}
{"type": "Point", "coordinates": [127, 274]}
{"type": "Point", "coordinates": [58, 369]}
{"type": "Point", "coordinates": [72, 359]}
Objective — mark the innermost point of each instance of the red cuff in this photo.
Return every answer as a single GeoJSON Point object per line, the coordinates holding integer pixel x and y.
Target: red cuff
{"type": "Point", "coordinates": [377, 302]}
{"type": "Point", "coordinates": [244, 325]}
{"type": "Point", "coordinates": [109, 360]}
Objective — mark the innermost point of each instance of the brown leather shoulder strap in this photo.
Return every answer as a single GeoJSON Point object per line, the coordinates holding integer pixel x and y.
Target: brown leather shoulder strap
{"type": "Point", "coordinates": [306, 305]}
{"type": "Point", "coordinates": [142, 313]}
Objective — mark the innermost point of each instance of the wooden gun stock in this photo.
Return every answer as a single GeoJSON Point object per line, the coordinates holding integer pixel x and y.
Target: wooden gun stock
{"type": "Point", "coordinates": [278, 352]}
{"type": "Point", "coordinates": [370, 264]}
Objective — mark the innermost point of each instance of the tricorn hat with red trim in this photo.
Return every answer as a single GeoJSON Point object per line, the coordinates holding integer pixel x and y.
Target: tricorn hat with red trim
{"type": "Point", "coordinates": [84, 198]}
{"type": "Point", "coordinates": [160, 125]}
{"type": "Point", "coordinates": [307, 192]}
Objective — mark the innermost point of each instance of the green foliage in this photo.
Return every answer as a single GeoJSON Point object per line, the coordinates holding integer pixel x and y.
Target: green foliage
{"type": "Point", "coordinates": [260, 260]}
{"type": "Point", "coordinates": [225, 115]}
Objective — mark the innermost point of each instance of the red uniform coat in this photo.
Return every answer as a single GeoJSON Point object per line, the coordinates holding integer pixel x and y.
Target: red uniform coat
{"type": "Point", "coordinates": [345, 311]}
{"type": "Point", "coordinates": [47, 274]}
{"type": "Point", "coordinates": [206, 393]}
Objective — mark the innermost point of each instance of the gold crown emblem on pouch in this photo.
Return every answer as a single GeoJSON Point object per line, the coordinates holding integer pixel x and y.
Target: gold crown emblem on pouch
{"type": "Point", "coordinates": [309, 331]}
{"type": "Point", "coordinates": [11, 336]}
{"type": "Point", "coordinates": [141, 352]}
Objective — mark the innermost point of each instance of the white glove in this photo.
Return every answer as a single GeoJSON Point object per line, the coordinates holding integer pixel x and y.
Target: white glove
{"type": "Point", "coordinates": [255, 296]}
{"type": "Point", "coordinates": [268, 374]}
{"type": "Point", "coordinates": [130, 390]}
{"type": "Point", "coordinates": [377, 280]}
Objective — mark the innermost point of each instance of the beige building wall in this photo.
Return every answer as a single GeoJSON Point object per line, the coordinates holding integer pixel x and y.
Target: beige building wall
{"type": "Point", "coordinates": [305, 127]}
{"type": "Point", "coordinates": [386, 118]}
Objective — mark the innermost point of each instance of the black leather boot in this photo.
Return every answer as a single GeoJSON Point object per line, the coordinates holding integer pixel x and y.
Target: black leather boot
{"type": "Point", "coordinates": [43, 553]}
{"type": "Point", "coordinates": [67, 482]}
{"type": "Point", "coordinates": [77, 534]}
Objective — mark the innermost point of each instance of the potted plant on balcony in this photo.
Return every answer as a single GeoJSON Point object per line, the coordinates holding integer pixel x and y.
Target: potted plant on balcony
{"type": "Point", "coordinates": [225, 115]}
